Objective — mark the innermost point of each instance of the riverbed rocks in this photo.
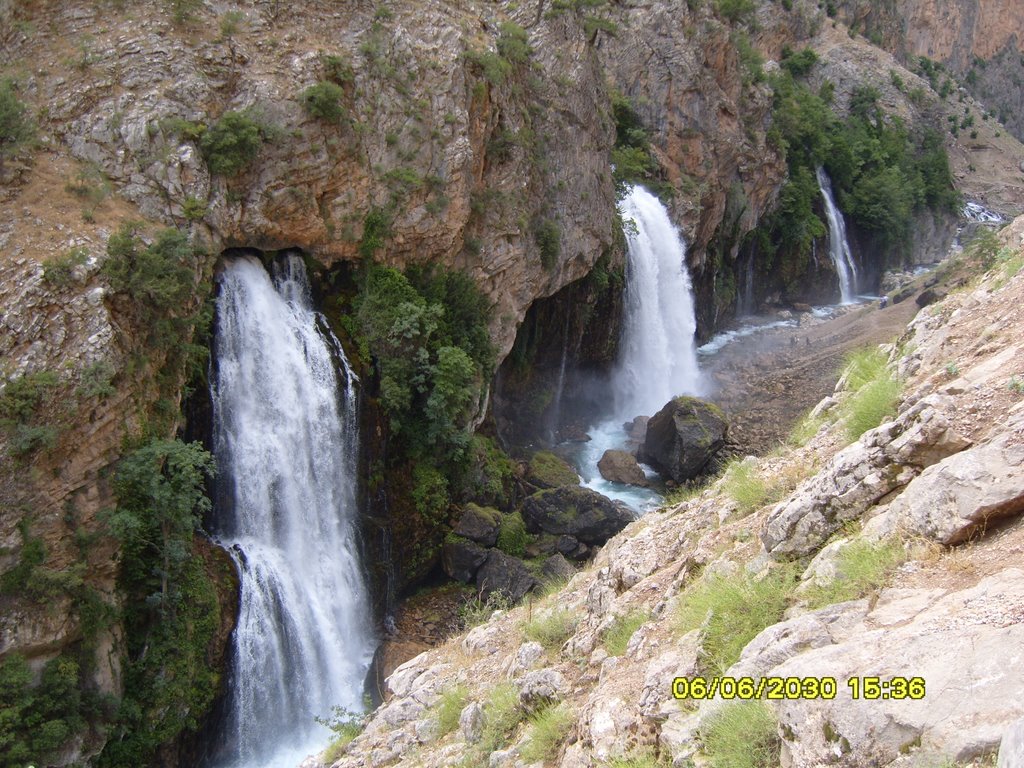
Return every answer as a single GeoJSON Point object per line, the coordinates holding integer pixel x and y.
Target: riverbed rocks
{"type": "Point", "coordinates": [621, 467]}
{"type": "Point", "coordinates": [684, 437]}
{"type": "Point", "coordinates": [579, 513]}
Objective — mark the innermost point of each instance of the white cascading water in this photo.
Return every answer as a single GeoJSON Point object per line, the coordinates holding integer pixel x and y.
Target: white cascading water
{"type": "Point", "coordinates": [838, 245]}
{"type": "Point", "coordinates": [286, 443]}
{"type": "Point", "coordinates": [657, 358]}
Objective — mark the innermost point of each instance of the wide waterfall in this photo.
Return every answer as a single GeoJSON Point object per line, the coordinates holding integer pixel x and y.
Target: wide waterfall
{"type": "Point", "coordinates": [658, 358]}
{"type": "Point", "coordinates": [838, 245]}
{"type": "Point", "coordinates": [286, 444]}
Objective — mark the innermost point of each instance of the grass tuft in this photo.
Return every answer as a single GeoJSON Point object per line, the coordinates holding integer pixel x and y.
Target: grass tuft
{"type": "Point", "coordinates": [861, 568]}
{"type": "Point", "coordinates": [503, 714]}
{"type": "Point", "coordinates": [731, 610]}
{"type": "Point", "coordinates": [449, 707]}
{"type": "Point", "coordinates": [639, 758]}
{"type": "Point", "coordinates": [744, 485]}
{"type": "Point", "coordinates": [742, 734]}
{"type": "Point", "coordinates": [874, 392]}
{"type": "Point", "coordinates": [618, 635]}
{"type": "Point", "coordinates": [551, 628]}
{"type": "Point", "coordinates": [548, 729]}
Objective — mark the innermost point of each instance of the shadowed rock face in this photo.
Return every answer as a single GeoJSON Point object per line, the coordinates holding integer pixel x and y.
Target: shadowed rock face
{"type": "Point", "coordinates": [621, 467]}
{"type": "Point", "coordinates": [684, 437]}
{"type": "Point", "coordinates": [581, 513]}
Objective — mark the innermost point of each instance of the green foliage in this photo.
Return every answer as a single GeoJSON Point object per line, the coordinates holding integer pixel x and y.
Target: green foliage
{"type": "Point", "coordinates": [194, 209]}
{"type": "Point", "coordinates": [873, 391]}
{"type": "Point", "coordinates": [476, 610]}
{"type": "Point", "coordinates": [512, 536]}
{"type": "Point", "coordinates": [430, 492]}
{"type": "Point", "coordinates": [862, 567]}
{"type": "Point", "coordinates": [798, 63]}
{"type": "Point", "coordinates": [38, 721]}
{"type": "Point", "coordinates": [550, 628]}
{"type": "Point", "coordinates": [96, 380]}
{"type": "Point", "coordinates": [639, 758]}
{"type": "Point", "coordinates": [632, 159]}
{"type": "Point", "coordinates": [16, 127]}
{"type": "Point", "coordinates": [742, 734]}
{"type": "Point", "coordinates": [376, 229]}
{"type": "Point", "coordinates": [730, 610]}
{"type": "Point", "coordinates": [744, 484]}
{"type": "Point", "coordinates": [449, 707]}
{"type": "Point", "coordinates": [548, 235]}
{"type": "Point", "coordinates": [736, 11]}
{"type": "Point", "coordinates": [548, 729]}
{"type": "Point", "coordinates": [616, 638]}
{"type": "Point", "coordinates": [488, 474]}
{"type": "Point", "coordinates": [323, 101]}
{"type": "Point", "coordinates": [185, 129]}
{"type": "Point", "coordinates": [171, 609]}
{"type": "Point", "coordinates": [183, 11]}
{"type": "Point", "coordinates": [552, 471]}
{"type": "Point", "coordinates": [750, 58]}
{"type": "Point", "coordinates": [23, 412]}
{"type": "Point", "coordinates": [58, 270]}
{"type": "Point", "coordinates": [337, 69]}
{"type": "Point", "coordinates": [231, 144]}
{"type": "Point", "coordinates": [513, 43]}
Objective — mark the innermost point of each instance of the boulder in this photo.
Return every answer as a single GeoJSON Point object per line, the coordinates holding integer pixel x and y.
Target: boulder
{"type": "Point", "coordinates": [684, 437]}
{"type": "Point", "coordinates": [579, 512]}
{"type": "Point", "coordinates": [557, 568]}
{"type": "Point", "coordinates": [542, 688]}
{"type": "Point", "coordinates": [461, 558]}
{"type": "Point", "coordinates": [550, 471]}
{"type": "Point", "coordinates": [929, 296]}
{"type": "Point", "coordinates": [621, 467]}
{"type": "Point", "coordinates": [471, 722]}
{"type": "Point", "coordinates": [506, 574]}
{"type": "Point", "coordinates": [1011, 748]}
{"type": "Point", "coordinates": [479, 524]}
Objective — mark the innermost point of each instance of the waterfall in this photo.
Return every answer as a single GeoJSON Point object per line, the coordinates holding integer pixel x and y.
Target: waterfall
{"type": "Point", "coordinates": [658, 358]}
{"type": "Point", "coordinates": [555, 417]}
{"type": "Point", "coordinates": [286, 442]}
{"type": "Point", "coordinates": [838, 245]}
{"type": "Point", "coordinates": [745, 299]}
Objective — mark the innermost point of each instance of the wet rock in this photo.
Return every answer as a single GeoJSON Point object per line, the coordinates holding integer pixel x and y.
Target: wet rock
{"type": "Point", "coordinates": [479, 524]}
{"type": "Point", "coordinates": [684, 437]}
{"type": "Point", "coordinates": [579, 512]}
{"type": "Point", "coordinates": [621, 467]}
{"type": "Point", "coordinates": [461, 558]}
{"type": "Point", "coordinates": [506, 574]}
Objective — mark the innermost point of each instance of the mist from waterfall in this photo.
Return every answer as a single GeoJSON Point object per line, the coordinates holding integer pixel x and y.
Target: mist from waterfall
{"type": "Point", "coordinates": [838, 245]}
{"type": "Point", "coordinates": [286, 432]}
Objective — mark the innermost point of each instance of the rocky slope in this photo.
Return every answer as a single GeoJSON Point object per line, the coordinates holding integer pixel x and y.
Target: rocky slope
{"type": "Point", "coordinates": [938, 486]}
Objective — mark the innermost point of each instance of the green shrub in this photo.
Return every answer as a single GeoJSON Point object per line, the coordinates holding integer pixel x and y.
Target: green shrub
{"type": "Point", "coordinates": [58, 271]}
{"type": "Point", "coordinates": [799, 63]}
{"type": "Point", "coordinates": [731, 610]}
{"type": "Point", "coordinates": [548, 729]}
{"type": "Point", "coordinates": [548, 235]}
{"type": "Point", "coordinates": [231, 144]}
{"type": "Point", "coordinates": [323, 101]}
{"type": "Point", "coordinates": [430, 493]}
{"type": "Point", "coordinates": [513, 43]}
{"type": "Point", "coordinates": [95, 380]}
{"type": "Point", "coordinates": [376, 229]}
{"type": "Point", "coordinates": [736, 11]}
{"type": "Point", "coordinates": [476, 610]}
{"type": "Point", "coordinates": [16, 127]}
{"type": "Point", "coordinates": [550, 628]}
{"type": "Point", "coordinates": [346, 725]}
{"type": "Point", "coordinates": [804, 430]}
{"type": "Point", "coordinates": [194, 209]}
{"type": "Point", "coordinates": [23, 412]}
{"type": "Point", "coordinates": [742, 734]}
{"type": "Point", "coordinates": [185, 129]}
{"type": "Point", "coordinates": [617, 636]}
{"type": "Point", "coordinates": [861, 568]}
{"type": "Point", "coordinates": [449, 707]}
{"type": "Point", "coordinates": [552, 471]}
{"type": "Point", "coordinates": [337, 69]}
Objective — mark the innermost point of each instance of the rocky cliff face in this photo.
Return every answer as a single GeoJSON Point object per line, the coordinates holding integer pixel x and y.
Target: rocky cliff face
{"type": "Point", "coordinates": [602, 659]}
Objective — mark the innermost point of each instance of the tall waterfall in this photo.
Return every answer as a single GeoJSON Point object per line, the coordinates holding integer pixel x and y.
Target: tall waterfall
{"type": "Point", "coordinates": [286, 441]}
{"type": "Point", "coordinates": [658, 359]}
{"type": "Point", "coordinates": [838, 245]}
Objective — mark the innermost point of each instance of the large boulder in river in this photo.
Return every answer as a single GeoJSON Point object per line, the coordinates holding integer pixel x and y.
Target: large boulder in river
{"type": "Point", "coordinates": [621, 467]}
{"type": "Point", "coordinates": [684, 437]}
{"type": "Point", "coordinates": [579, 512]}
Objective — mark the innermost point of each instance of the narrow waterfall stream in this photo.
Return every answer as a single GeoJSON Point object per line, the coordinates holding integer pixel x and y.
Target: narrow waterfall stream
{"type": "Point", "coordinates": [838, 245]}
{"type": "Point", "coordinates": [658, 357]}
{"type": "Point", "coordinates": [286, 444]}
